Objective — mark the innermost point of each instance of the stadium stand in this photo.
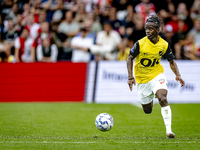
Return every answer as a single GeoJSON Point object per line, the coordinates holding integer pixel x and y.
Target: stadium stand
{"type": "Point", "coordinates": [181, 20]}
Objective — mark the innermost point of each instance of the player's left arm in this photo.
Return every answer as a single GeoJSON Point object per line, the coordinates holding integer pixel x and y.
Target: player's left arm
{"type": "Point", "coordinates": [170, 57]}
{"type": "Point", "coordinates": [175, 69]}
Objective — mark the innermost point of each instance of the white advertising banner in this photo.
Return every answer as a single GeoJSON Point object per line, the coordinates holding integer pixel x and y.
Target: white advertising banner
{"type": "Point", "coordinates": [112, 87]}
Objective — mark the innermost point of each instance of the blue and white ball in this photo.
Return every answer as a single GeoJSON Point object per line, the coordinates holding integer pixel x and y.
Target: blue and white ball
{"type": "Point", "coordinates": [104, 122]}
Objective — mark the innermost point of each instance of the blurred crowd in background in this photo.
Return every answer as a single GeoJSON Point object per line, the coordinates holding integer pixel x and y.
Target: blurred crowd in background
{"type": "Point", "coordinates": [85, 30]}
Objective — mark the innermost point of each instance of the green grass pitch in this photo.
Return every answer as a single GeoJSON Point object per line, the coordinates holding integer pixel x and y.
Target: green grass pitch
{"type": "Point", "coordinates": [72, 126]}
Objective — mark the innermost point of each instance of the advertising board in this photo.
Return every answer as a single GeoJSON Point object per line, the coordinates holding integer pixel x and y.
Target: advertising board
{"type": "Point", "coordinates": [42, 82]}
{"type": "Point", "coordinates": [112, 87]}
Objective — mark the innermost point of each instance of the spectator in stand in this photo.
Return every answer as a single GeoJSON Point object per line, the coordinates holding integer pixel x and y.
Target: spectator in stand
{"type": "Point", "coordinates": [52, 6]}
{"type": "Point", "coordinates": [91, 5]}
{"type": "Point", "coordinates": [80, 15]}
{"type": "Point", "coordinates": [13, 12]}
{"type": "Point", "coordinates": [5, 53]}
{"type": "Point", "coordinates": [69, 4]}
{"type": "Point", "coordinates": [62, 42]}
{"type": "Point", "coordinates": [42, 16]}
{"type": "Point", "coordinates": [190, 49]}
{"type": "Point", "coordinates": [123, 51]}
{"type": "Point", "coordinates": [35, 9]}
{"type": "Point", "coordinates": [32, 26]}
{"type": "Point", "coordinates": [91, 24]}
{"type": "Point", "coordinates": [66, 48]}
{"type": "Point", "coordinates": [81, 45]}
{"type": "Point", "coordinates": [167, 11]}
{"type": "Point", "coordinates": [102, 3]}
{"type": "Point", "coordinates": [26, 12]}
{"type": "Point", "coordinates": [176, 23]}
{"type": "Point", "coordinates": [115, 23]}
{"type": "Point", "coordinates": [180, 36]}
{"type": "Point", "coordinates": [196, 32]}
{"type": "Point", "coordinates": [183, 15]}
{"type": "Point", "coordinates": [10, 35]}
{"type": "Point", "coordinates": [195, 9]}
{"type": "Point", "coordinates": [106, 43]}
{"type": "Point", "coordinates": [122, 8]}
{"type": "Point", "coordinates": [145, 8]}
{"type": "Point", "coordinates": [105, 14]}
{"type": "Point", "coordinates": [138, 29]}
{"type": "Point", "coordinates": [47, 52]}
{"type": "Point", "coordinates": [88, 24]}
{"type": "Point", "coordinates": [23, 47]}
{"type": "Point", "coordinates": [5, 8]}
{"type": "Point", "coordinates": [171, 38]}
{"type": "Point", "coordinates": [18, 26]}
{"type": "Point", "coordinates": [121, 4]}
{"type": "Point", "coordinates": [56, 34]}
{"type": "Point", "coordinates": [179, 31]}
{"type": "Point", "coordinates": [91, 27]}
{"type": "Point", "coordinates": [42, 32]}
{"type": "Point", "coordinates": [128, 21]}
{"type": "Point", "coordinates": [69, 26]}
{"type": "Point", "coordinates": [57, 16]}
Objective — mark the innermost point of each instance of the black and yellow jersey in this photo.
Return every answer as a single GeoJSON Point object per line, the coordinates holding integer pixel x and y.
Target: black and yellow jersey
{"type": "Point", "coordinates": [147, 58]}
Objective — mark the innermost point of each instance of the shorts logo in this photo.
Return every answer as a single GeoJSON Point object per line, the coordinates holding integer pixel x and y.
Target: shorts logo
{"type": "Point", "coordinates": [162, 82]}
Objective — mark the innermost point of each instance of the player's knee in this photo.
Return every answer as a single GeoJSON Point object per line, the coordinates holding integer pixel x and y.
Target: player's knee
{"type": "Point", "coordinates": [163, 100]}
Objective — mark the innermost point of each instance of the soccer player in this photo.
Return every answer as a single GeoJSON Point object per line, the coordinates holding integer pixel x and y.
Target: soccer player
{"type": "Point", "coordinates": [149, 73]}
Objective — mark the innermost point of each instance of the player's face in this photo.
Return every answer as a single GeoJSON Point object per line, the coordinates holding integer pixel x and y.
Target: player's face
{"type": "Point", "coordinates": [151, 31]}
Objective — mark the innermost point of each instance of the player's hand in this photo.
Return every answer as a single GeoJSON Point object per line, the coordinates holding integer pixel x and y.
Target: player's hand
{"type": "Point", "coordinates": [130, 82]}
{"type": "Point", "coordinates": [178, 78]}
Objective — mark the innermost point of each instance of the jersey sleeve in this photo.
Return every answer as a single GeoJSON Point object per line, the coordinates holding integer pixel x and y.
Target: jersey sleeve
{"type": "Point", "coordinates": [169, 55]}
{"type": "Point", "coordinates": [135, 49]}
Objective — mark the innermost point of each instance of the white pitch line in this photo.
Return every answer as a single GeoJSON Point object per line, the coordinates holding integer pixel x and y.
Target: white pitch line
{"type": "Point", "coordinates": [138, 105]}
{"type": "Point", "coordinates": [58, 142]}
{"type": "Point", "coordinates": [48, 142]}
{"type": "Point", "coordinates": [175, 142]}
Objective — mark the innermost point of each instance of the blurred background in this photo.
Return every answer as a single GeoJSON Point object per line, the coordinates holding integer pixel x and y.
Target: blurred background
{"type": "Point", "coordinates": [75, 50]}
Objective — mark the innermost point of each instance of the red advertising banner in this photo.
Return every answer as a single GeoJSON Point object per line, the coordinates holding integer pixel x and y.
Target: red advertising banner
{"type": "Point", "coordinates": [42, 82]}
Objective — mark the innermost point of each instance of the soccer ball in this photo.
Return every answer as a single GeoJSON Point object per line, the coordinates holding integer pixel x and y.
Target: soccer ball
{"type": "Point", "coordinates": [104, 122]}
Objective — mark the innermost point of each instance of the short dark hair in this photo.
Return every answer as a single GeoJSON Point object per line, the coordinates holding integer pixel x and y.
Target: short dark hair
{"type": "Point", "coordinates": [107, 22]}
{"type": "Point", "coordinates": [156, 20]}
{"type": "Point", "coordinates": [9, 18]}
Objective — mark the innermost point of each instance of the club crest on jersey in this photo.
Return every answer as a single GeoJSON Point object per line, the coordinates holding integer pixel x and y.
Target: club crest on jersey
{"type": "Point", "coordinates": [146, 53]}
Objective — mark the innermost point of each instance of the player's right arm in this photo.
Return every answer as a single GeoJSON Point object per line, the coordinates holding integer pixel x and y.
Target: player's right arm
{"type": "Point", "coordinates": [133, 53]}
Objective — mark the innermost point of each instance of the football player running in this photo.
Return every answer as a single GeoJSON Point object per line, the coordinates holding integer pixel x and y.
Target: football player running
{"type": "Point", "coordinates": [149, 73]}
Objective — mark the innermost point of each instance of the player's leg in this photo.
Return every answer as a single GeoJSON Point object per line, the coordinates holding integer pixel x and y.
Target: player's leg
{"type": "Point", "coordinates": [161, 94]}
{"type": "Point", "coordinates": [147, 108]}
{"type": "Point", "coordinates": [146, 96]}
{"type": "Point", "coordinates": [165, 111]}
